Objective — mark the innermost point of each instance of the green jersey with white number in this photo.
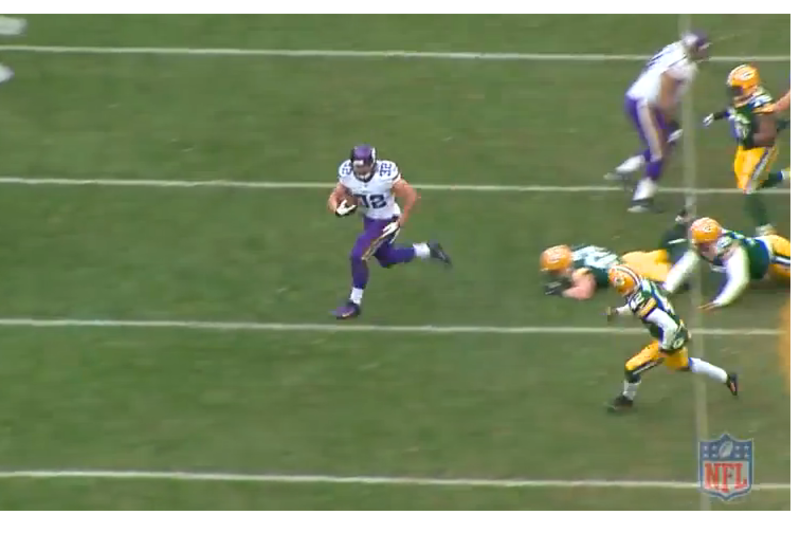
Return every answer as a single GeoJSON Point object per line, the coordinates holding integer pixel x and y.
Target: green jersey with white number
{"type": "Point", "coordinates": [644, 303]}
{"type": "Point", "coordinates": [758, 256]}
{"type": "Point", "coordinates": [744, 118]}
{"type": "Point", "coordinates": [596, 260]}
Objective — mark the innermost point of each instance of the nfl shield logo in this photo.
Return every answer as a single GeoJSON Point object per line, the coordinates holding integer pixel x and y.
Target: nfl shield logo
{"type": "Point", "coordinates": [726, 467]}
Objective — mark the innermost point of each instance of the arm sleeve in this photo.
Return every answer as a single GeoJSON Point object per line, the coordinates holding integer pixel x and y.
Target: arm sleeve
{"type": "Point", "coordinates": [667, 325]}
{"type": "Point", "coordinates": [624, 311]}
{"type": "Point", "coordinates": [681, 270]}
{"type": "Point", "coordinates": [719, 115]}
{"type": "Point", "coordinates": [736, 268]}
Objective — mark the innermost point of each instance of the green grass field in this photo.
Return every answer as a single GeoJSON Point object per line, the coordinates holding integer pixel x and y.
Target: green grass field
{"type": "Point", "coordinates": [288, 398]}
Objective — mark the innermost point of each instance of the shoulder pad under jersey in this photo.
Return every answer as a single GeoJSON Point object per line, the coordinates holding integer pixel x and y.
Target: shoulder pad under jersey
{"type": "Point", "coordinates": [725, 244]}
{"type": "Point", "coordinates": [387, 171]}
{"type": "Point", "coordinates": [345, 169]}
{"type": "Point", "coordinates": [642, 303]}
{"type": "Point", "coordinates": [762, 103]}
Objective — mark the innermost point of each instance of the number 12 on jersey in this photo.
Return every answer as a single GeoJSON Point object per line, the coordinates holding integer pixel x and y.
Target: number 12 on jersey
{"type": "Point", "coordinates": [373, 201]}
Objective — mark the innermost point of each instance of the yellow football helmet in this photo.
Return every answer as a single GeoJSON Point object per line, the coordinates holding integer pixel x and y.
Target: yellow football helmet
{"type": "Point", "coordinates": [705, 231]}
{"type": "Point", "coordinates": [624, 279]}
{"type": "Point", "coordinates": [556, 259]}
{"type": "Point", "coordinates": [743, 82]}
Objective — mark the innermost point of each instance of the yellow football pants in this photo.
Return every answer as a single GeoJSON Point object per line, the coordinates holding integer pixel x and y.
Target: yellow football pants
{"type": "Point", "coordinates": [750, 166]}
{"type": "Point", "coordinates": [651, 357]}
{"type": "Point", "coordinates": [780, 267]}
{"type": "Point", "coordinates": [653, 265]}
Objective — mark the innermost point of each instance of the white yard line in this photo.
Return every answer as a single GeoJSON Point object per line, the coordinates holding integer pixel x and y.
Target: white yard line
{"type": "Point", "coordinates": [696, 295]}
{"type": "Point", "coordinates": [225, 184]}
{"type": "Point", "coordinates": [359, 54]}
{"type": "Point", "coordinates": [363, 480]}
{"type": "Point", "coordinates": [353, 328]}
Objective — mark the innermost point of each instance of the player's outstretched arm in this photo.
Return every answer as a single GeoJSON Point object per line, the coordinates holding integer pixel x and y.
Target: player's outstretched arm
{"type": "Point", "coordinates": [784, 103]}
{"type": "Point", "coordinates": [713, 117]}
{"type": "Point", "coordinates": [681, 270]}
{"type": "Point", "coordinates": [736, 268]}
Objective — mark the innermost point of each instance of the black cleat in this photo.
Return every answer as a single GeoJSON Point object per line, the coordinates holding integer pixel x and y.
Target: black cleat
{"type": "Point", "coordinates": [683, 217]}
{"type": "Point", "coordinates": [438, 253]}
{"type": "Point", "coordinates": [733, 383]}
{"type": "Point", "coordinates": [619, 404]}
{"type": "Point", "coordinates": [349, 310]}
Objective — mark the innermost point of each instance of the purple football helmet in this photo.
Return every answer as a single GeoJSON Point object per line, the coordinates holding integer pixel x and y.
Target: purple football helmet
{"type": "Point", "coordinates": [697, 44]}
{"type": "Point", "coordinates": [364, 159]}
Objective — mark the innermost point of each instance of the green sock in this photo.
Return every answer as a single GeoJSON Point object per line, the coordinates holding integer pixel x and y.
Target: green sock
{"type": "Point", "coordinates": [773, 179]}
{"type": "Point", "coordinates": [754, 205]}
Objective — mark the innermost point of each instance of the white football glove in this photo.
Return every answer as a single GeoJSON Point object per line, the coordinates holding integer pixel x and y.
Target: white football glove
{"type": "Point", "coordinates": [708, 120]}
{"type": "Point", "coordinates": [390, 229]}
{"type": "Point", "coordinates": [345, 209]}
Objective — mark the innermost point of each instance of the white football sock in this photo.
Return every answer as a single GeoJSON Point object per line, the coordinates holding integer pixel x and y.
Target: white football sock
{"type": "Point", "coordinates": [629, 389]}
{"type": "Point", "coordinates": [422, 250]}
{"type": "Point", "coordinates": [675, 136]}
{"type": "Point", "coordinates": [645, 190]}
{"type": "Point", "coordinates": [5, 73]}
{"type": "Point", "coordinates": [631, 165]}
{"type": "Point", "coordinates": [12, 26]}
{"type": "Point", "coordinates": [356, 295]}
{"type": "Point", "coordinates": [699, 366]}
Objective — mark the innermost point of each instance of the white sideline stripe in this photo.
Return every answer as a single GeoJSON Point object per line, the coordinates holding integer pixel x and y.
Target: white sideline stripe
{"type": "Point", "coordinates": [364, 480]}
{"type": "Point", "coordinates": [357, 54]}
{"type": "Point", "coordinates": [225, 184]}
{"type": "Point", "coordinates": [337, 328]}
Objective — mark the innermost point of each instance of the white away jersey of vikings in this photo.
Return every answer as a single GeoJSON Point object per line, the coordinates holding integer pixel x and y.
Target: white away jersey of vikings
{"type": "Point", "coordinates": [673, 59]}
{"type": "Point", "coordinates": [375, 195]}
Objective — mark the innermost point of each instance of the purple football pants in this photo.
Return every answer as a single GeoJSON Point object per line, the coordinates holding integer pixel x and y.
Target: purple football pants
{"type": "Point", "coordinates": [653, 131]}
{"type": "Point", "coordinates": [371, 244]}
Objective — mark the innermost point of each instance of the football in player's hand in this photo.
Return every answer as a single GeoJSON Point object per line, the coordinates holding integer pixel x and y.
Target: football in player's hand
{"type": "Point", "coordinates": [350, 199]}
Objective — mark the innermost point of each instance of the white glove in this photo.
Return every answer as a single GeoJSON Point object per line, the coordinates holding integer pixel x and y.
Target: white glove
{"type": "Point", "coordinates": [345, 209]}
{"type": "Point", "coordinates": [389, 229]}
{"type": "Point", "coordinates": [708, 120]}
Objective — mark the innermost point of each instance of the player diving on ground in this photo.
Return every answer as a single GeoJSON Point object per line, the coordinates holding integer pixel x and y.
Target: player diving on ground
{"type": "Point", "coordinates": [578, 271]}
{"type": "Point", "coordinates": [743, 259]}
{"type": "Point", "coordinates": [648, 303]}
{"type": "Point", "coordinates": [374, 184]}
{"type": "Point", "coordinates": [755, 127]}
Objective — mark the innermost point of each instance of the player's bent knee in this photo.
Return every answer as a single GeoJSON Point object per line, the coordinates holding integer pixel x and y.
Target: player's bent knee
{"type": "Point", "coordinates": [632, 377]}
{"type": "Point", "coordinates": [358, 256]}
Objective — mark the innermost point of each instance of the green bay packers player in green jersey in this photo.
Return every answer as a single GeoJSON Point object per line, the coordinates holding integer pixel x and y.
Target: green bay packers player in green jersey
{"type": "Point", "coordinates": [755, 126]}
{"type": "Point", "coordinates": [648, 303]}
{"type": "Point", "coordinates": [743, 259]}
{"type": "Point", "coordinates": [579, 271]}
